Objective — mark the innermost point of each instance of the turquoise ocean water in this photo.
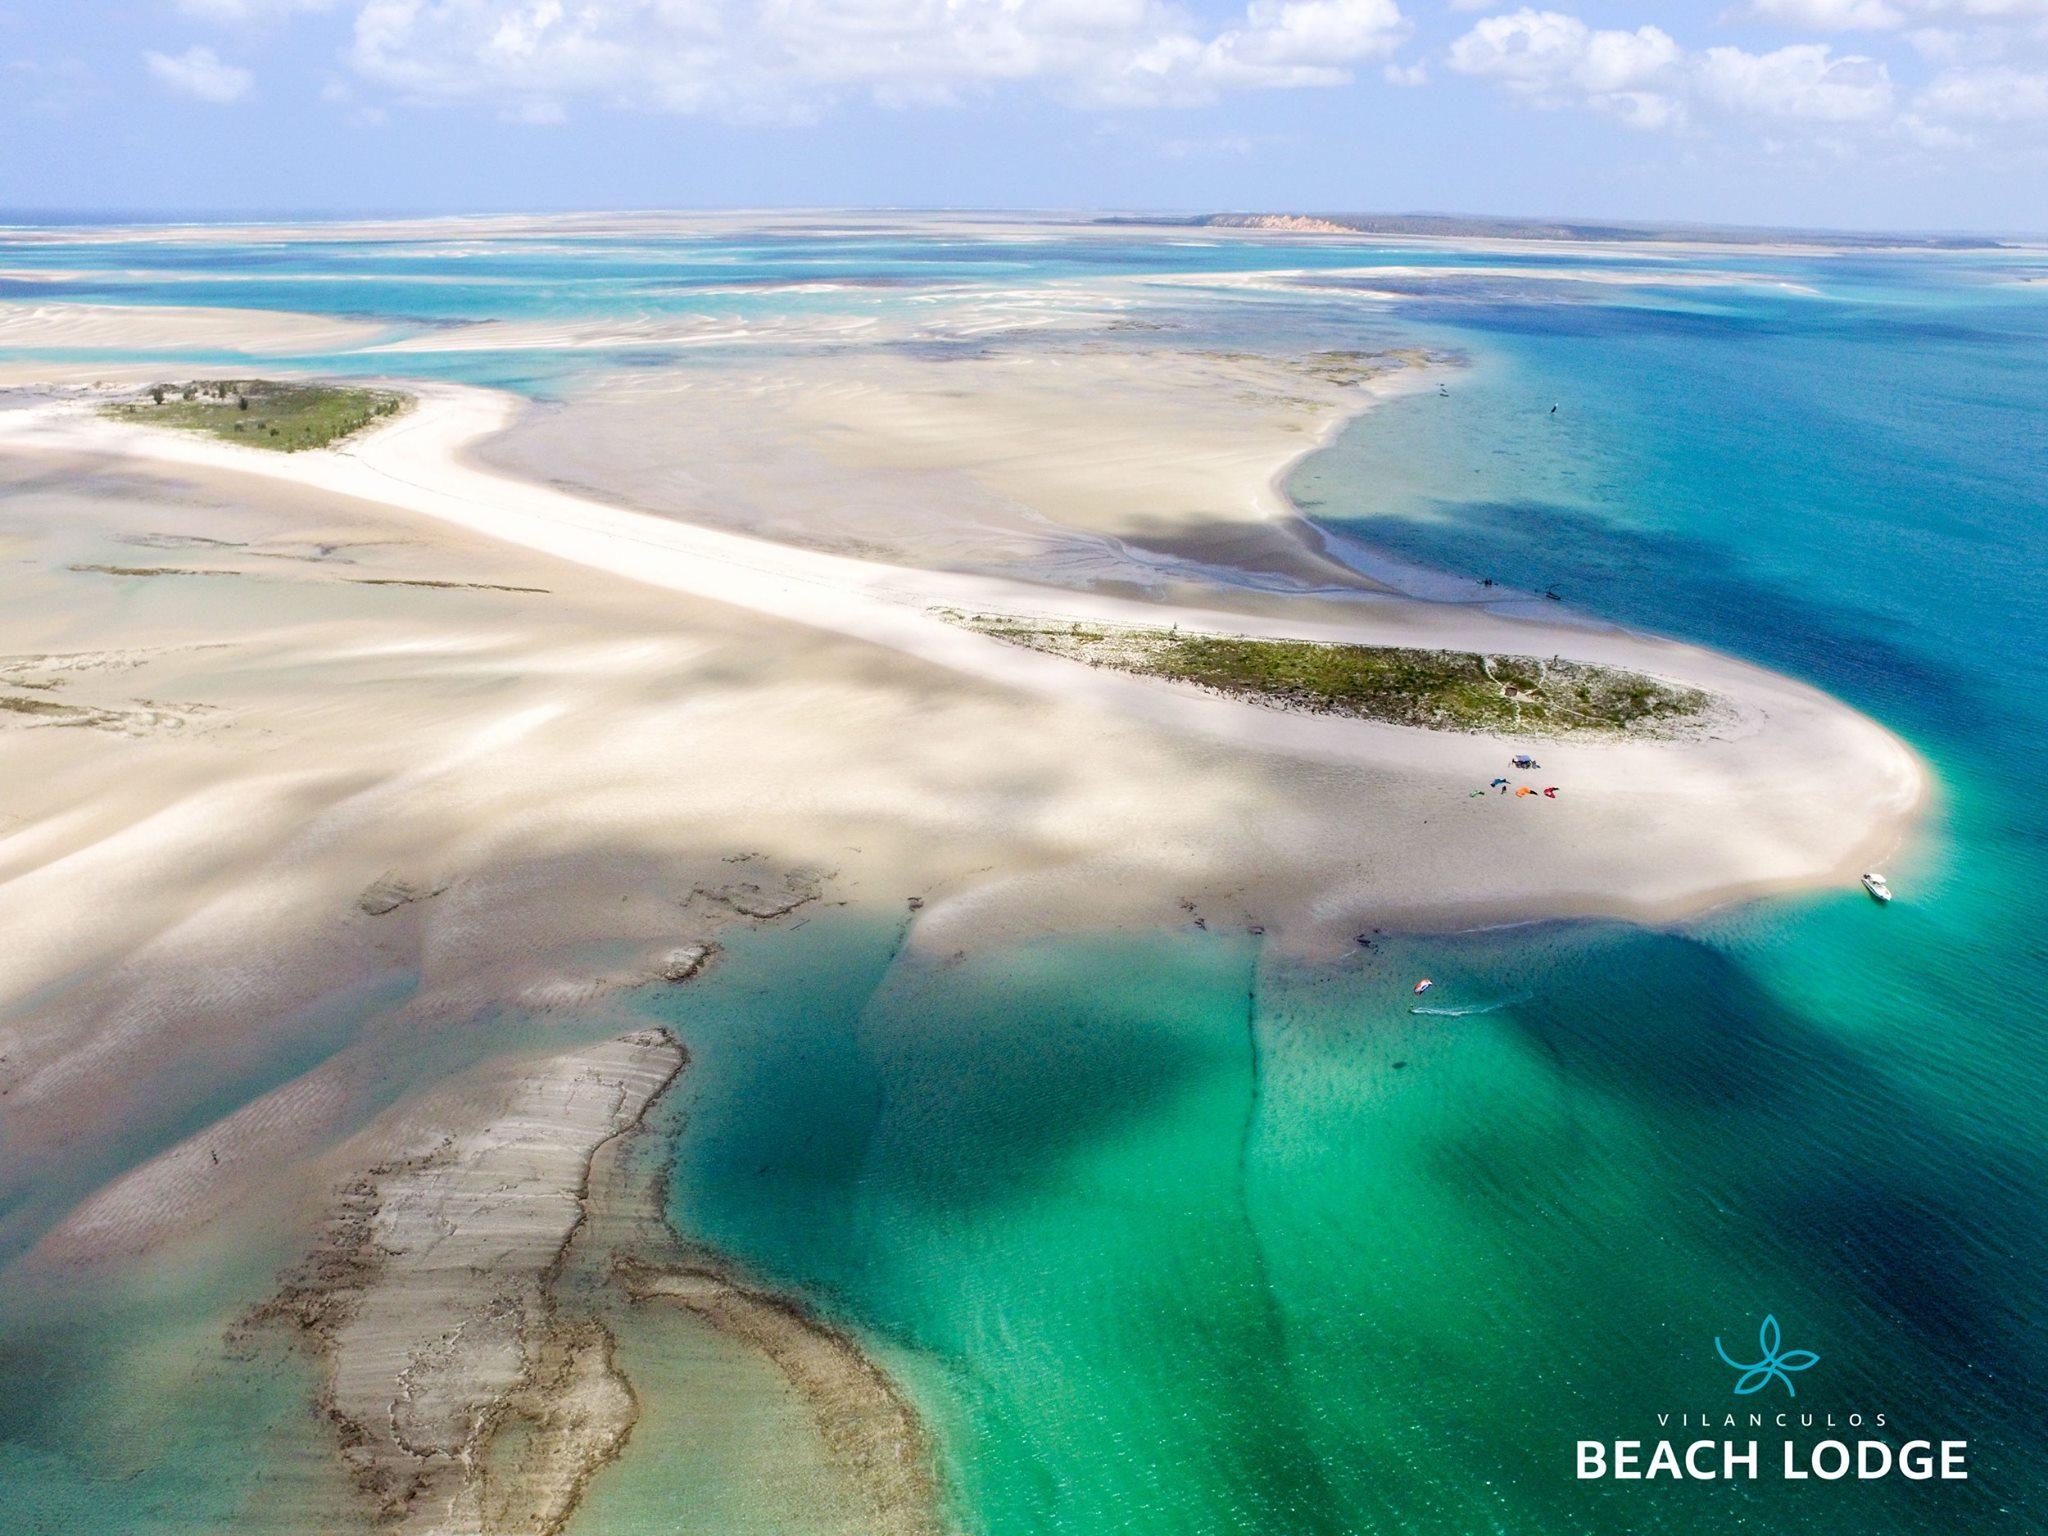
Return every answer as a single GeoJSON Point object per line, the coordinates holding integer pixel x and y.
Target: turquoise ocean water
{"type": "Point", "coordinates": [1167, 1235]}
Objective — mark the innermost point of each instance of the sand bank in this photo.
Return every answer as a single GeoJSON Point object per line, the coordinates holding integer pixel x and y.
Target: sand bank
{"type": "Point", "coordinates": [462, 1399]}
{"type": "Point", "coordinates": [1397, 280]}
{"type": "Point", "coordinates": [942, 313]}
{"type": "Point", "coordinates": [440, 233]}
{"type": "Point", "coordinates": [871, 1432]}
{"type": "Point", "coordinates": [124, 329]}
{"type": "Point", "coordinates": [1796, 789]}
{"type": "Point", "coordinates": [464, 1291]}
{"type": "Point", "coordinates": [1076, 464]}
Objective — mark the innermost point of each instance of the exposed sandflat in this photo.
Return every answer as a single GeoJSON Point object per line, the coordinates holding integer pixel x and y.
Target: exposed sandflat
{"type": "Point", "coordinates": [126, 329]}
{"type": "Point", "coordinates": [1800, 790]}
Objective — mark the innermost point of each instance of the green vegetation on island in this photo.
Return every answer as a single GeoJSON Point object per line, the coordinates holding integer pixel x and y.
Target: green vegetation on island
{"type": "Point", "coordinates": [1436, 690]}
{"type": "Point", "coordinates": [282, 416]}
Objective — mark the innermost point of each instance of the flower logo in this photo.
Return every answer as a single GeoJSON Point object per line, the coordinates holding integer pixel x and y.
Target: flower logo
{"type": "Point", "coordinates": [1772, 1367]}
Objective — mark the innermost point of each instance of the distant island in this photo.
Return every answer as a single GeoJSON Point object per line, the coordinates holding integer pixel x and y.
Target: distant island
{"type": "Point", "coordinates": [1462, 226]}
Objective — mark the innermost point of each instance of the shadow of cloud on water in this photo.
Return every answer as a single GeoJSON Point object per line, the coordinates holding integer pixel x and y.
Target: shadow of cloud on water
{"type": "Point", "coordinates": [1811, 1155]}
{"type": "Point", "coordinates": [1663, 581]}
{"type": "Point", "coordinates": [959, 1086]}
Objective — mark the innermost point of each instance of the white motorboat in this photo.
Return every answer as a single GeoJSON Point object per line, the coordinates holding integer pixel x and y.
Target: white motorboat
{"type": "Point", "coordinates": [1879, 891]}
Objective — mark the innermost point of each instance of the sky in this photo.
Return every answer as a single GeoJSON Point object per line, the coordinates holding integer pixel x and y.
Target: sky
{"type": "Point", "coordinates": [1851, 114]}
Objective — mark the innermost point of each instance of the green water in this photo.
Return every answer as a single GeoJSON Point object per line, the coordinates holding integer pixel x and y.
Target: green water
{"type": "Point", "coordinates": [1168, 1237]}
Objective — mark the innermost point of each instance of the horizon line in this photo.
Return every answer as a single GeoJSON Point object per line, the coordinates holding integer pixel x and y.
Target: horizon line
{"type": "Point", "coordinates": [1588, 227]}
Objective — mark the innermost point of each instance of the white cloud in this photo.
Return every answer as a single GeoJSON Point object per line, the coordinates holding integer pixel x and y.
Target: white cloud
{"type": "Point", "coordinates": [1983, 10]}
{"type": "Point", "coordinates": [1645, 78]}
{"type": "Point", "coordinates": [1988, 54]}
{"type": "Point", "coordinates": [793, 60]}
{"type": "Point", "coordinates": [1993, 95]}
{"type": "Point", "coordinates": [1990, 21]}
{"type": "Point", "coordinates": [1805, 81]}
{"type": "Point", "coordinates": [1938, 45]}
{"type": "Point", "coordinates": [1829, 15]}
{"type": "Point", "coordinates": [790, 58]}
{"type": "Point", "coordinates": [1552, 59]}
{"type": "Point", "coordinates": [1315, 35]}
{"type": "Point", "coordinates": [1931, 135]}
{"type": "Point", "coordinates": [201, 73]}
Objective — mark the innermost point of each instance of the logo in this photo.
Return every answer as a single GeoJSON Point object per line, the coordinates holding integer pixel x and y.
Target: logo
{"type": "Point", "coordinates": [1813, 1445]}
{"type": "Point", "coordinates": [1774, 1366]}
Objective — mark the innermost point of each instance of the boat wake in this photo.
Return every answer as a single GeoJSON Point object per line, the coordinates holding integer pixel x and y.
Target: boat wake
{"type": "Point", "coordinates": [1466, 1010]}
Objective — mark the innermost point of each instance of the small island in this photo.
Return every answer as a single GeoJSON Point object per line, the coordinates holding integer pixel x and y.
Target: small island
{"type": "Point", "coordinates": [1435, 690]}
{"type": "Point", "coordinates": [285, 417]}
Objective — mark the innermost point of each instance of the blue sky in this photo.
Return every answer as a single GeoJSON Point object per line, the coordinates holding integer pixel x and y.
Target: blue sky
{"type": "Point", "coordinates": [1924, 114]}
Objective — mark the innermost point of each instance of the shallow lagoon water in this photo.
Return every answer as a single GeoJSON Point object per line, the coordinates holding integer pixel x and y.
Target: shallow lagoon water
{"type": "Point", "coordinates": [1166, 1235]}
{"type": "Point", "coordinates": [1170, 1236]}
